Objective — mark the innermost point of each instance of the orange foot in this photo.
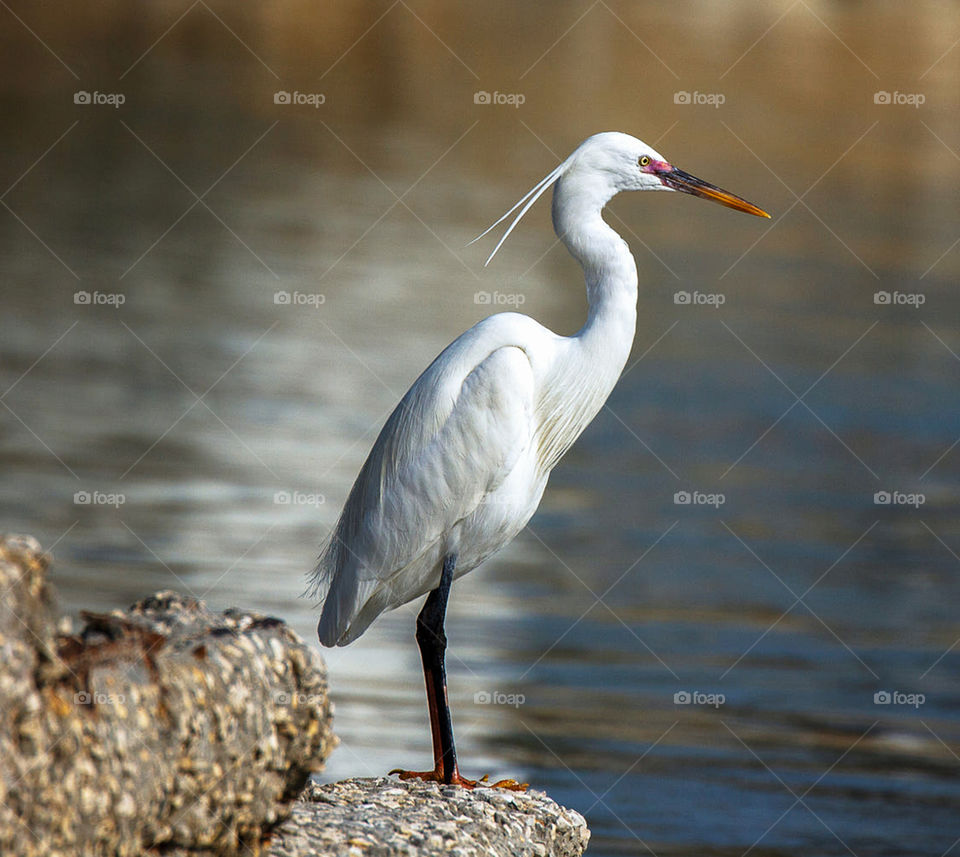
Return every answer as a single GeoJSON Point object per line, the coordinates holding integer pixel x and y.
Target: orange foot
{"type": "Point", "coordinates": [435, 776]}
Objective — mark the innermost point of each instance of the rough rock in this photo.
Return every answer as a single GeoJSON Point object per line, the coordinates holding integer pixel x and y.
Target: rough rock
{"type": "Point", "coordinates": [164, 727]}
{"type": "Point", "coordinates": [170, 729]}
{"type": "Point", "coordinates": [384, 817]}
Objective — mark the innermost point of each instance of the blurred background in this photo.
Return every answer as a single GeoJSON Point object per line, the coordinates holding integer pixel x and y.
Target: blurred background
{"type": "Point", "coordinates": [231, 235]}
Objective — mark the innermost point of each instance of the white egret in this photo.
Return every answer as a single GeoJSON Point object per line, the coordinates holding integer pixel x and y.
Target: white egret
{"type": "Point", "coordinates": [461, 464]}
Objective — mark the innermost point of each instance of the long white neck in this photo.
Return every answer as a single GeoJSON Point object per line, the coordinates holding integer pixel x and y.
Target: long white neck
{"type": "Point", "coordinates": [608, 267]}
{"type": "Point", "coordinates": [591, 360]}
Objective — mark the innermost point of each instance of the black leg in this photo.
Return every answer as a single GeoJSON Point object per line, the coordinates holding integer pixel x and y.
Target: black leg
{"type": "Point", "coordinates": [433, 644]}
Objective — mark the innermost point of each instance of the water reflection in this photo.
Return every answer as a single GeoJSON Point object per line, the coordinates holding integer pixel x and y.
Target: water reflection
{"type": "Point", "coordinates": [201, 397]}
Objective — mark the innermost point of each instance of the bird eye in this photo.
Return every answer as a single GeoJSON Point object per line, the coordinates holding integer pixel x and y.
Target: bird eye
{"type": "Point", "coordinates": [644, 160]}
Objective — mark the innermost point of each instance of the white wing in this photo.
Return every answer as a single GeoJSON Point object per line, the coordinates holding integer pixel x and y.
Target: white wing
{"type": "Point", "coordinates": [452, 440]}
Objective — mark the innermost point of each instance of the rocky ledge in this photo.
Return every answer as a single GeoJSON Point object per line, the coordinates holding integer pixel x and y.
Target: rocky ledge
{"type": "Point", "coordinates": [385, 817]}
{"type": "Point", "coordinates": [171, 729]}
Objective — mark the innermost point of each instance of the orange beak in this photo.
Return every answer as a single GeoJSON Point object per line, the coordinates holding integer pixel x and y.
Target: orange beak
{"type": "Point", "coordinates": [686, 183]}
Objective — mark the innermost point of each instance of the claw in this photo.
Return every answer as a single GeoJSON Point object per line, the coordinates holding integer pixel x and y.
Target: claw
{"type": "Point", "coordinates": [436, 776]}
{"type": "Point", "coordinates": [512, 785]}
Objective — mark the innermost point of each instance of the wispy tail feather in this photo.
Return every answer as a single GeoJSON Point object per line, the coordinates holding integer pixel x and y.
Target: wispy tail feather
{"type": "Point", "coordinates": [321, 577]}
{"type": "Point", "coordinates": [345, 598]}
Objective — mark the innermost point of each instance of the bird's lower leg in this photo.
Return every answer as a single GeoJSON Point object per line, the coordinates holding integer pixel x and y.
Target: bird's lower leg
{"type": "Point", "coordinates": [432, 641]}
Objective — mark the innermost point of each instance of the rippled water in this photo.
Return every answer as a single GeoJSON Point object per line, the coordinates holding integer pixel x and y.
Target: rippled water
{"type": "Point", "coordinates": [781, 610]}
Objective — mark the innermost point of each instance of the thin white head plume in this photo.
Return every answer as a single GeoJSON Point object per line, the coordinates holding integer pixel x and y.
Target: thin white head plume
{"type": "Point", "coordinates": [530, 197]}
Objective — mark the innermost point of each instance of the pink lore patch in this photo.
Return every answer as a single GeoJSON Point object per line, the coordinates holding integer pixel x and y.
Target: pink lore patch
{"type": "Point", "coordinates": [657, 167]}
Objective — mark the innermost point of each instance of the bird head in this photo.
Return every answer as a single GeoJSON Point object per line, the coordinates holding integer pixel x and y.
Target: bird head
{"type": "Point", "coordinates": [606, 164]}
{"type": "Point", "coordinates": [612, 162]}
